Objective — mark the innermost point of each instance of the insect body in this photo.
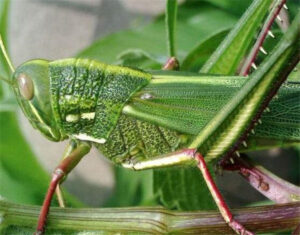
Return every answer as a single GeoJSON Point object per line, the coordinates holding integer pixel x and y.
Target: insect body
{"type": "Point", "coordinates": [84, 99]}
{"type": "Point", "coordinates": [132, 117]}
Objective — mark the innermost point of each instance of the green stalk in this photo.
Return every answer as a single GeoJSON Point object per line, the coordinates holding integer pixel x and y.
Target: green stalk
{"type": "Point", "coordinates": [22, 219]}
{"type": "Point", "coordinates": [171, 14]}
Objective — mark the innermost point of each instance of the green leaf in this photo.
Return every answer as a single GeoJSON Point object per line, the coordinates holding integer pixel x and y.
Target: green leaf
{"type": "Point", "coordinates": [137, 58]}
{"type": "Point", "coordinates": [228, 55]}
{"type": "Point", "coordinates": [8, 104]}
{"type": "Point", "coordinates": [196, 21]}
{"type": "Point", "coordinates": [182, 188]}
{"type": "Point", "coordinates": [171, 14]}
{"type": "Point", "coordinates": [132, 188]}
{"type": "Point", "coordinates": [19, 168]}
{"type": "Point", "coordinates": [236, 7]}
{"type": "Point", "coordinates": [200, 54]}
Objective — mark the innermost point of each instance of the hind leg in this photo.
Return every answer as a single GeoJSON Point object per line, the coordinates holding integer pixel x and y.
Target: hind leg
{"type": "Point", "coordinates": [191, 156]}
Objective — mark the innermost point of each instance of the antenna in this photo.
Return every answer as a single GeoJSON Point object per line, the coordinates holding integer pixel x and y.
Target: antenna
{"type": "Point", "coordinates": [6, 55]}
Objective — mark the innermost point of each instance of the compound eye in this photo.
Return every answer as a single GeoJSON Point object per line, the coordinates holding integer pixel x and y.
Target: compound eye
{"type": "Point", "coordinates": [25, 86]}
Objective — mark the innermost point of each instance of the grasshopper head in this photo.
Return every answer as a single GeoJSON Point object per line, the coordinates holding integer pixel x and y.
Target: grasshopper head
{"type": "Point", "coordinates": [32, 88]}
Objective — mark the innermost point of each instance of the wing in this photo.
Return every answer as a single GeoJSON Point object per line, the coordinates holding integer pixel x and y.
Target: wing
{"type": "Point", "coordinates": [186, 102]}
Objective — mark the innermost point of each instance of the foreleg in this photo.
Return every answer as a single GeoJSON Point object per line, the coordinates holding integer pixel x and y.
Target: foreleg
{"type": "Point", "coordinates": [62, 170]}
{"type": "Point", "coordinates": [72, 145]}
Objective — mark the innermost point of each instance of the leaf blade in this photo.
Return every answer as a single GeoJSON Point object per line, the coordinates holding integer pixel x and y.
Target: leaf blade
{"type": "Point", "coordinates": [171, 14]}
{"type": "Point", "coordinates": [197, 57]}
{"type": "Point", "coordinates": [228, 55]}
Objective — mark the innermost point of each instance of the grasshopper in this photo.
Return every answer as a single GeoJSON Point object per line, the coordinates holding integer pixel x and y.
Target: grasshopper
{"type": "Point", "coordinates": [146, 120]}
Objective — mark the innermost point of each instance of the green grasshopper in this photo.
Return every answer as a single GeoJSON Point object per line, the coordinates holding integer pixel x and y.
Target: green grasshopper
{"type": "Point", "coordinates": [145, 120]}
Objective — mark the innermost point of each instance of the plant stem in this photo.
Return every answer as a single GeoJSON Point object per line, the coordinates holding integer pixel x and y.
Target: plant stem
{"type": "Point", "coordinates": [16, 217]}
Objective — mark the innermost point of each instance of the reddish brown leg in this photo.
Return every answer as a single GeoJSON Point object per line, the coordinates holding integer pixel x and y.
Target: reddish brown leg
{"type": "Point", "coordinates": [56, 178]}
{"type": "Point", "coordinates": [188, 156]}
{"type": "Point", "coordinates": [69, 149]}
{"type": "Point", "coordinates": [66, 165]}
{"type": "Point", "coordinates": [228, 217]}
